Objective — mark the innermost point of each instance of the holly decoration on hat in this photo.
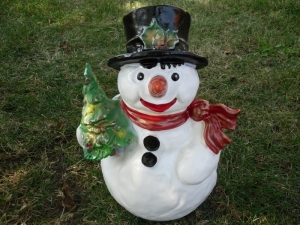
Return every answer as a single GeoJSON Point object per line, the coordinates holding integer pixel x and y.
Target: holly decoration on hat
{"type": "Point", "coordinates": [155, 37]}
{"type": "Point", "coordinates": [104, 126]}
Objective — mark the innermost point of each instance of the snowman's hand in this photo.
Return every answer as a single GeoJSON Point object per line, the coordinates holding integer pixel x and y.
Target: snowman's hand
{"type": "Point", "coordinates": [79, 137]}
{"type": "Point", "coordinates": [196, 164]}
{"type": "Point", "coordinates": [117, 151]}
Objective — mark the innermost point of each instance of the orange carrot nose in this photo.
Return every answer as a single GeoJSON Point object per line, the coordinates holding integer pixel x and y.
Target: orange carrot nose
{"type": "Point", "coordinates": [158, 86]}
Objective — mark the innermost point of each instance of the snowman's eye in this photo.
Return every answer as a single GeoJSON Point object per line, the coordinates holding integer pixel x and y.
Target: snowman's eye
{"type": "Point", "coordinates": [175, 76]}
{"type": "Point", "coordinates": [140, 76]}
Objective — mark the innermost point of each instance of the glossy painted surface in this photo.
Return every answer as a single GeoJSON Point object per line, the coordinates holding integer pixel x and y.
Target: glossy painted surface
{"type": "Point", "coordinates": [155, 37]}
{"type": "Point", "coordinates": [179, 94]}
{"type": "Point", "coordinates": [104, 126]}
{"type": "Point", "coordinates": [158, 86]}
{"type": "Point", "coordinates": [149, 27]}
{"type": "Point", "coordinates": [216, 117]}
{"type": "Point", "coordinates": [181, 179]}
{"type": "Point", "coordinates": [170, 167]}
{"type": "Point", "coordinates": [155, 122]}
{"type": "Point", "coordinates": [157, 34]}
{"type": "Point", "coordinates": [170, 170]}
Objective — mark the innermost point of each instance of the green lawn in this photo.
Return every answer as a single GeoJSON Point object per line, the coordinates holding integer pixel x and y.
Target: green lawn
{"type": "Point", "coordinates": [253, 47]}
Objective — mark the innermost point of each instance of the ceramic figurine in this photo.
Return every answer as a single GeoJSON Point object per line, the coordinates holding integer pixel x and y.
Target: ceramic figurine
{"type": "Point", "coordinates": [159, 146]}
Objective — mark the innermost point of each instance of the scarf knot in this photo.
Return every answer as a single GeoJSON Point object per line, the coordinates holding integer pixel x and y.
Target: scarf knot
{"type": "Point", "coordinates": [216, 117]}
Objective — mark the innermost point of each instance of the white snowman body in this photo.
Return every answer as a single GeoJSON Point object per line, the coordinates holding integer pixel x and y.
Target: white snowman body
{"type": "Point", "coordinates": [185, 171]}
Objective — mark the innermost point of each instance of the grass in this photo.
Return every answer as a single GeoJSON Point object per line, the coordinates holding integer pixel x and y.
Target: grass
{"type": "Point", "coordinates": [253, 48]}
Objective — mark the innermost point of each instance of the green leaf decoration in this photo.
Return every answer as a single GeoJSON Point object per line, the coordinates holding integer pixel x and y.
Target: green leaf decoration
{"type": "Point", "coordinates": [171, 38]}
{"type": "Point", "coordinates": [104, 126]}
{"type": "Point", "coordinates": [155, 37]}
{"type": "Point", "coordinates": [159, 40]}
{"type": "Point", "coordinates": [151, 33]}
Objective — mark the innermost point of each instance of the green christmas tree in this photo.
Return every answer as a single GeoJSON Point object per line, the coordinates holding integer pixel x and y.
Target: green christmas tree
{"type": "Point", "coordinates": [104, 126]}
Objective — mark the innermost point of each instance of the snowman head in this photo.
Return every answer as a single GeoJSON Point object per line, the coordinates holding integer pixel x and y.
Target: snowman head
{"type": "Point", "coordinates": [160, 88]}
{"type": "Point", "coordinates": [158, 72]}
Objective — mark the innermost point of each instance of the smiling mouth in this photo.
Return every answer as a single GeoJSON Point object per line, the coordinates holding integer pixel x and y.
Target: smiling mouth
{"type": "Point", "coordinates": [158, 108]}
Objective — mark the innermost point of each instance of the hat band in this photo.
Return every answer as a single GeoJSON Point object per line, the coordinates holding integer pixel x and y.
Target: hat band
{"type": "Point", "coordinates": [136, 45]}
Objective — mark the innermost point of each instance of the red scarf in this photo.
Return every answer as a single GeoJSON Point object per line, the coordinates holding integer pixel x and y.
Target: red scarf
{"type": "Point", "coordinates": [215, 116]}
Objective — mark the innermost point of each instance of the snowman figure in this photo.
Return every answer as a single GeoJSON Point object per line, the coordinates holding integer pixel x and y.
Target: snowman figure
{"type": "Point", "coordinates": [163, 146]}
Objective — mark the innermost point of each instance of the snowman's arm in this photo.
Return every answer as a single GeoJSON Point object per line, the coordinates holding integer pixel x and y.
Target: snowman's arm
{"type": "Point", "coordinates": [197, 164]}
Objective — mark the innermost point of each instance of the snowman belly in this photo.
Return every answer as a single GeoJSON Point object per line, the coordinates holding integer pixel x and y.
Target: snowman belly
{"type": "Point", "coordinates": [157, 193]}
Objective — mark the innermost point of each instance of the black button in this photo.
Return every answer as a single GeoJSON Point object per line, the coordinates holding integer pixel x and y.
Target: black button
{"type": "Point", "coordinates": [149, 159]}
{"type": "Point", "coordinates": [151, 143]}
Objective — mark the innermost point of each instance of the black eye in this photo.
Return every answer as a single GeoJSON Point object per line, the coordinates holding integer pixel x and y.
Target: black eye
{"type": "Point", "coordinates": [175, 76]}
{"type": "Point", "coordinates": [140, 76]}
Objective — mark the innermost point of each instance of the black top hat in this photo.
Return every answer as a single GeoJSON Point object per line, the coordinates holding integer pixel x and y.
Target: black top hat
{"type": "Point", "coordinates": [157, 34]}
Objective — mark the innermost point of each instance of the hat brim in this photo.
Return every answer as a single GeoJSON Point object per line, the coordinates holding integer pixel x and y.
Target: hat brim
{"type": "Point", "coordinates": [156, 56]}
